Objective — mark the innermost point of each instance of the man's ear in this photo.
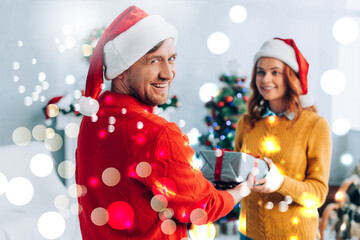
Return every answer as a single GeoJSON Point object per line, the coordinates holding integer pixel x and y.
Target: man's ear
{"type": "Point", "coordinates": [119, 77]}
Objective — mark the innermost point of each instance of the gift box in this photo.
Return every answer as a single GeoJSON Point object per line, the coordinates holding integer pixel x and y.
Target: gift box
{"type": "Point", "coordinates": [226, 169]}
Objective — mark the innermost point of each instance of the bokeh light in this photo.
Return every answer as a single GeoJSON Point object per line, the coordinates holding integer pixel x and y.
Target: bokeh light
{"type": "Point", "coordinates": [288, 199]}
{"type": "Point", "coordinates": [66, 169]}
{"type": "Point", "coordinates": [45, 85]}
{"type": "Point", "coordinates": [238, 14]}
{"type": "Point", "coordinates": [182, 123]}
{"type": "Point", "coordinates": [283, 206]}
{"type": "Point", "coordinates": [35, 96]}
{"type": "Point", "coordinates": [203, 232]}
{"type": "Point", "coordinates": [345, 30]}
{"type": "Point", "coordinates": [333, 82]}
{"type": "Point", "coordinates": [21, 136]}
{"type": "Point", "coordinates": [70, 79]}
{"type": "Point", "coordinates": [20, 43]}
{"type": "Point", "coordinates": [218, 43]}
{"type": "Point", "coordinates": [16, 65]}
{"type": "Point", "coordinates": [168, 227]}
{"type": "Point", "coordinates": [28, 101]}
{"type": "Point", "coordinates": [99, 216]}
{"type": "Point", "coordinates": [51, 225]}
{"type": "Point", "coordinates": [167, 213]}
{"type": "Point", "coordinates": [166, 187]}
{"type": "Point", "coordinates": [269, 205]}
{"type": "Point", "coordinates": [158, 203]}
{"type": "Point", "coordinates": [341, 126]}
{"type": "Point", "coordinates": [49, 132]}
{"type": "Point", "coordinates": [73, 190]}
{"type": "Point", "coordinates": [121, 215]}
{"type": "Point", "coordinates": [21, 89]}
{"type": "Point", "coordinates": [198, 216]}
{"type": "Point", "coordinates": [41, 165]}
{"type": "Point", "coordinates": [41, 76]}
{"type": "Point", "coordinates": [70, 42]}
{"type": "Point", "coordinates": [52, 110]}
{"type": "Point", "coordinates": [111, 128]}
{"type": "Point", "coordinates": [207, 91]}
{"type": "Point", "coordinates": [53, 144]}
{"type": "Point", "coordinates": [61, 202]}
{"type": "Point", "coordinates": [270, 145]}
{"type": "Point", "coordinates": [87, 50]}
{"type": "Point", "coordinates": [347, 159]}
{"type": "Point", "coordinates": [193, 136]}
{"type": "Point", "coordinates": [139, 125]}
{"type": "Point", "coordinates": [112, 120]}
{"type": "Point", "coordinates": [19, 191]}
{"type": "Point", "coordinates": [295, 221]}
{"type": "Point", "coordinates": [143, 169]}
{"type": "Point", "coordinates": [3, 183]}
{"type": "Point", "coordinates": [72, 130]}
{"type": "Point", "coordinates": [111, 176]}
{"type": "Point", "coordinates": [16, 78]}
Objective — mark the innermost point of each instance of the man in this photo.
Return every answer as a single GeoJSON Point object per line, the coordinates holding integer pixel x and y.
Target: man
{"type": "Point", "coordinates": [134, 169]}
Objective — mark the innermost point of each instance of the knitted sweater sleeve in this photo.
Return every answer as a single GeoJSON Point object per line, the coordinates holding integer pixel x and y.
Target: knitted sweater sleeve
{"type": "Point", "coordinates": [174, 176]}
{"type": "Point", "coordinates": [312, 191]}
{"type": "Point", "coordinates": [239, 133]}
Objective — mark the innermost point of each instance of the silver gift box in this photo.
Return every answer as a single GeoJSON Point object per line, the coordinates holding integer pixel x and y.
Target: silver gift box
{"type": "Point", "coordinates": [235, 167]}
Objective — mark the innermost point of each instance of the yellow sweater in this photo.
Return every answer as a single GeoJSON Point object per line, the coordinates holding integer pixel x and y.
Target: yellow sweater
{"type": "Point", "coordinates": [302, 153]}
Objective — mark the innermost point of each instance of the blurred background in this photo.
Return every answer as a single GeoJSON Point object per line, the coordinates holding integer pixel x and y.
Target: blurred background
{"type": "Point", "coordinates": [44, 58]}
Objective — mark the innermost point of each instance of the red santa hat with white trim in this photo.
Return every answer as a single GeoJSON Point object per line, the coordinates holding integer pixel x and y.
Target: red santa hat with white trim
{"type": "Point", "coordinates": [129, 37]}
{"type": "Point", "coordinates": [286, 51]}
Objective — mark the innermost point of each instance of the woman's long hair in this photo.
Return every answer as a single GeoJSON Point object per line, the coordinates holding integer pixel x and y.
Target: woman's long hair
{"type": "Point", "coordinates": [257, 104]}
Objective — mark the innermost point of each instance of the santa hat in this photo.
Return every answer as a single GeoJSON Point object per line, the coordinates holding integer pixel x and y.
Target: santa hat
{"type": "Point", "coordinates": [129, 37]}
{"type": "Point", "coordinates": [286, 51]}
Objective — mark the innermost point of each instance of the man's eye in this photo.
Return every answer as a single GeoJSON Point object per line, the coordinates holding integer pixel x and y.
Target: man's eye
{"type": "Point", "coordinates": [154, 61]}
{"type": "Point", "coordinates": [172, 58]}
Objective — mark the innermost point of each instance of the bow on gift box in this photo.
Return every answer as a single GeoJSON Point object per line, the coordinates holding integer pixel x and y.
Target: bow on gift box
{"type": "Point", "coordinates": [226, 169]}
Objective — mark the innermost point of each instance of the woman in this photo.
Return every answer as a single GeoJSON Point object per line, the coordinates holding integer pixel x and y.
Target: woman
{"type": "Point", "coordinates": [284, 130]}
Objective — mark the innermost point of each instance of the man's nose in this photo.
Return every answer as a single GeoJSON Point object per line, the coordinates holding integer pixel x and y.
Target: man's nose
{"type": "Point", "coordinates": [166, 71]}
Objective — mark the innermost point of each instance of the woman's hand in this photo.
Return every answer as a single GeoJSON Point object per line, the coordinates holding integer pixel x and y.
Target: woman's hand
{"type": "Point", "coordinates": [273, 180]}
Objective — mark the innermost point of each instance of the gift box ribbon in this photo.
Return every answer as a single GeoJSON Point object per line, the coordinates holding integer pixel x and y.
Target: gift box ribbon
{"type": "Point", "coordinates": [219, 162]}
{"type": "Point", "coordinates": [218, 165]}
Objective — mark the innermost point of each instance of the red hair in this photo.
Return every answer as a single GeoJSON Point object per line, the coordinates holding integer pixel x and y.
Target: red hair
{"type": "Point", "coordinates": [256, 104]}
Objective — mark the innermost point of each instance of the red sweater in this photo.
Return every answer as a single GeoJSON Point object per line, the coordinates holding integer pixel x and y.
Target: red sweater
{"type": "Point", "coordinates": [129, 140]}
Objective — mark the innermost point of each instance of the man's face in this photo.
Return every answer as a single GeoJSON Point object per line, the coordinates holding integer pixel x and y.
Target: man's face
{"type": "Point", "coordinates": [150, 77]}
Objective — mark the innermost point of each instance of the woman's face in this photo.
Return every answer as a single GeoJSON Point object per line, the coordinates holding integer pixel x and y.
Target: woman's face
{"type": "Point", "coordinates": [270, 80]}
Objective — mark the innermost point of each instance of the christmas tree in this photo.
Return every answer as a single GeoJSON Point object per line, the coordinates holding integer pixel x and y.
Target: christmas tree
{"type": "Point", "coordinates": [224, 111]}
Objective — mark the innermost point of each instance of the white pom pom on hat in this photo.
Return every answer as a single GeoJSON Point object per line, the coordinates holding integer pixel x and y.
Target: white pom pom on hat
{"type": "Point", "coordinates": [307, 100]}
{"type": "Point", "coordinates": [88, 106]}
{"type": "Point", "coordinates": [129, 37]}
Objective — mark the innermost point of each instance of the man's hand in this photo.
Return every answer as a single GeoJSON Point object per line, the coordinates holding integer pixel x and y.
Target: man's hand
{"type": "Point", "coordinates": [244, 188]}
{"type": "Point", "coordinates": [273, 180]}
